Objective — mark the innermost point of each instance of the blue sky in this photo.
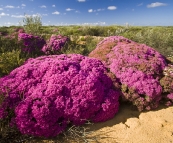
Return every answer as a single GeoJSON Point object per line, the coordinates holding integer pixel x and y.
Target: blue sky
{"type": "Point", "coordinates": [89, 12]}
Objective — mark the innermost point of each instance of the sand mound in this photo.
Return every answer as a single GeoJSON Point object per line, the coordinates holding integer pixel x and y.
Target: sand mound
{"type": "Point", "coordinates": [131, 126]}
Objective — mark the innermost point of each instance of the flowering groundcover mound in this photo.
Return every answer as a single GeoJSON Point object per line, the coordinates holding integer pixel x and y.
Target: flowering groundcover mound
{"type": "Point", "coordinates": [167, 84]}
{"type": "Point", "coordinates": [54, 44]}
{"type": "Point", "coordinates": [31, 43]}
{"type": "Point", "coordinates": [50, 92]}
{"type": "Point", "coordinates": [138, 68]}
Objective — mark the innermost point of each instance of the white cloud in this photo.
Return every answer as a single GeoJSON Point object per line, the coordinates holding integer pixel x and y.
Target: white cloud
{"type": "Point", "coordinates": [45, 24]}
{"type": "Point", "coordinates": [77, 11]}
{"type": "Point", "coordinates": [18, 16]}
{"type": "Point", "coordinates": [8, 23]}
{"type": "Point", "coordinates": [100, 9]}
{"type": "Point", "coordinates": [3, 14]}
{"type": "Point", "coordinates": [1, 8]}
{"type": "Point", "coordinates": [90, 10]}
{"type": "Point", "coordinates": [81, 24]}
{"type": "Point", "coordinates": [69, 9]}
{"type": "Point", "coordinates": [96, 23]}
{"type": "Point", "coordinates": [45, 14]}
{"type": "Point", "coordinates": [43, 6]}
{"type": "Point", "coordinates": [23, 5]}
{"type": "Point", "coordinates": [112, 7]}
{"type": "Point", "coordinates": [81, 0]}
{"type": "Point", "coordinates": [53, 5]}
{"type": "Point", "coordinates": [140, 4]}
{"type": "Point", "coordinates": [35, 15]}
{"type": "Point", "coordinates": [56, 12]}
{"type": "Point", "coordinates": [9, 6]}
{"type": "Point", "coordinates": [102, 23]}
{"type": "Point", "coordinates": [156, 4]}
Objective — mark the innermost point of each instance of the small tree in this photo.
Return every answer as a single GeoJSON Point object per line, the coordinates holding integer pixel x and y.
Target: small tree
{"type": "Point", "coordinates": [32, 24]}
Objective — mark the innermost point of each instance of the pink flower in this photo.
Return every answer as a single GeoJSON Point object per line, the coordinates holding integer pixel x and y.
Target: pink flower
{"type": "Point", "coordinates": [56, 89]}
{"type": "Point", "coordinates": [54, 44]}
{"type": "Point", "coordinates": [30, 43]}
{"type": "Point", "coordinates": [137, 66]}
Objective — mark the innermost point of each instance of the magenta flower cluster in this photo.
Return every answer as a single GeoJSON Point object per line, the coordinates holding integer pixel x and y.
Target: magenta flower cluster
{"type": "Point", "coordinates": [54, 44]}
{"type": "Point", "coordinates": [31, 43]}
{"type": "Point", "coordinates": [55, 30]}
{"type": "Point", "coordinates": [167, 85]}
{"type": "Point", "coordinates": [137, 66]}
{"type": "Point", "coordinates": [19, 30]}
{"type": "Point", "coordinates": [49, 92]}
{"type": "Point", "coordinates": [141, 89]}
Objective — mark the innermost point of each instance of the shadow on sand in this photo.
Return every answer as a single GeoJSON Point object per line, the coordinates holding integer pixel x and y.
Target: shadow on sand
{"type": "Point", "coordinates": [126, 111]}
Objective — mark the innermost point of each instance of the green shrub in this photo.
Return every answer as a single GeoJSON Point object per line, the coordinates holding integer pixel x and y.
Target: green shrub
{"type": "Point", "coordinates": [91, 43]}
{"type": "Point", "coordinates": [8, 43]}
{"type": "Point", "coordinates": [72, 47]}
{"type": "Point", "coordinates": [32, 24]}
{"type": "Point", "coordinates": [159, 38]}
{"type": "Point", "coordinates": [9, 61]}
{"type": "Point", "coordinates": [3, 31]}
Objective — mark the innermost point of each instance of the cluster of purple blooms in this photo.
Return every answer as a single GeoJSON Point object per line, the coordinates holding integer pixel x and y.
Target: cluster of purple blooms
{"type": "Point", "coordinates": [19, 30]}
{"type": "Point", "coordinates": [54, 44]}
{"type": "Point", "coordinates": [143, 90]}
{"type": "Point", "coordinates": [167, 84]}
{"type": "Point", "coordinates": [55, 30]}
{"type": "Point", "coordinates": [138, 68]}
{"type": "Point", "coordinates": [49, 92]}
{"type": "Point", "coordinates": [31, 43]}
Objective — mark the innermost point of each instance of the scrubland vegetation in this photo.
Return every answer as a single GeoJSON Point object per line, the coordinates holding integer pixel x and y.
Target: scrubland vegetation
{"type": "Point", "coordinates": [26, 52]}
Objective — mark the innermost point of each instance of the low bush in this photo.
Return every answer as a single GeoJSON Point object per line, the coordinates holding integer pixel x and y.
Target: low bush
{"type": "Point", "coordinates": [31, 44]}
{"type": "Point", "coordinates": [32, 24]}
{"type": "Point", "coordinates": [167, 85]}
{"type": "Point", "coordinates": [138, 68]}
{"type": "Point", "coordinates": [50, 93]}
{"type": "Point", "coordinates": [10, 61]}
{"type": "Point", "coordinates": [55, 44]}
{"type": "Point", "coordinates": [9, 43]}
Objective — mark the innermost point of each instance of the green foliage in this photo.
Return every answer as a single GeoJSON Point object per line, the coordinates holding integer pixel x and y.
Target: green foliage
{"type": "Point", "coordinates": [11, 57]}
{"type": "Point", "coordinates": [93, 31]}
{"type": "Point", "coordinates": [9, 61]}
{"type": "Point", "coordinates": [10, 54]}
{"type": "Point", "coordinates": [32, 24]}
{"type": "Point", "coordinates": [159, 38]}
{"type": "Point", "coordinates": [76, 45]}
{"type": "Point", "coordinates": [91, 43]}
{"type": "Point", "coordinates": [83, 38]}
{"type": "Point", "coordinates": [3, 31]}
{"type": "Point", "coordinates": [72, 47]}
{"type": "Point", "coordinates": [8, 43]}
{"type": "Point", "coordinates": [9, 134]}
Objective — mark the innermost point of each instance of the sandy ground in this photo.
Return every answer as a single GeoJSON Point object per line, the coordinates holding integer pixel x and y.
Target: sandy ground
{"type": "Point", "coordinates": [131, 126]}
